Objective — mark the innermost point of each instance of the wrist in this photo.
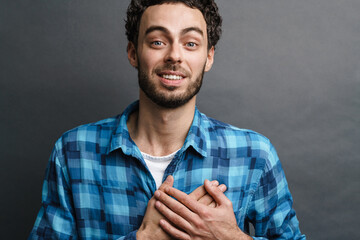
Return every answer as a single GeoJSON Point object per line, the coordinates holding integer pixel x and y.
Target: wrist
{"type": "Point", "coordinates": [141, 233]}
{"type": "Point", "coordinates": [246, 237]}
{"type": "Point", "coordinates": [150, 232]}
{"type": "Point", "coordinates": [243, 236]}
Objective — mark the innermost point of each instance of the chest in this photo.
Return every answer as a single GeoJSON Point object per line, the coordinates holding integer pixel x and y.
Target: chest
{"type": "Point", "coordinates": [110, 192]}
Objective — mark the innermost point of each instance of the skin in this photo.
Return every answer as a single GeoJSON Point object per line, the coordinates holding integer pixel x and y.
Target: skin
{"type": "Point", "coordinates": [196, 220]}
{"type": "Point", "coordinates": [173, 41]}
{"type": "Point", "coordinates": [150, 229]}
{"type": "Point", "coordinates": [166, 39]}
{"type": "Point", "coordinates": [175, 45]}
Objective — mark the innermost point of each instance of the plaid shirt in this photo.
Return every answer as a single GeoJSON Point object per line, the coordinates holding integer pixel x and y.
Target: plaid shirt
{"type": "Point", "coordinates": [97, 184]}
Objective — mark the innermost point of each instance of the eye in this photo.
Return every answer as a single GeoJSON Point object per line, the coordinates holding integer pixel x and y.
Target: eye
{"type": "Point", "coordinates": [191, 44]}
{"type": "Point", "coordinates": [157, 43]}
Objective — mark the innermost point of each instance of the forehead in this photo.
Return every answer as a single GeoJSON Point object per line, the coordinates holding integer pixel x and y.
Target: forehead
{"type": "Point", "coordinates": [173, 16]}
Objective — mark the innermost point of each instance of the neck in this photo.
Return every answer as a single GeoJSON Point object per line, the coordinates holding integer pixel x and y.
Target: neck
{"type": "Point", "coordinates": [160, 131]}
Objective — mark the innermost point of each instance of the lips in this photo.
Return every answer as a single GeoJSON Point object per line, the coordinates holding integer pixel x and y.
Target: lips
{"type": "Point", "coordinates": [168, 74]}
{"type": "Point", "coordinates": [171, 78]}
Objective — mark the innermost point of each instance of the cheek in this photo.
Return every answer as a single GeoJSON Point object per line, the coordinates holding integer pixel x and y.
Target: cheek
{"type": "Point", "coordinates": [196, 63]}
{"type": "Point", "coordinates": [144, 64]}
{"type": "Point", "coordinates": [149, 61]}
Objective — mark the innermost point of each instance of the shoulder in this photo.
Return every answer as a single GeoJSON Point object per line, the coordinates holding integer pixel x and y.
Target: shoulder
{"type": "Point", "coordinates": [237, 141]}
{"type": "Point", "coordinates": [227, 131]}
{"type": "Point", "coordinates": [96, 134]}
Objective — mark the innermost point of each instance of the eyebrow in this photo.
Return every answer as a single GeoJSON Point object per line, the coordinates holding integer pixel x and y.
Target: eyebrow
{"type": "Point", "coordinates": [190, 29]}
{"type": "Point", "coordinates": [166, 31]}
{"type": "Point", "coordinates": [156, 28]}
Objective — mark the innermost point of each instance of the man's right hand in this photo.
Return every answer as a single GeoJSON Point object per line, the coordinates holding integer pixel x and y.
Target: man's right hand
{"type": "Point", "coordinates": [150, 228]}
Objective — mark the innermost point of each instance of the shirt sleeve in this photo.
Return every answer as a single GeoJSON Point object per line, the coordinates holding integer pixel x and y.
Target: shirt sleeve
{"type": "Point", "coordinates": [270, 210]}
{"type": "Point", "coordinates": [56, 218]}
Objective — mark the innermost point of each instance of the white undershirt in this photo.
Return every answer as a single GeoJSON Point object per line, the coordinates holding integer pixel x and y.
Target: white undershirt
{"type": "Point", "coordinates": [157, 165]}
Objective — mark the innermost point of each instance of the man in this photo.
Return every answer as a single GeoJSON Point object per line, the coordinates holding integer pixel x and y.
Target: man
{"type": "Point", "coordinates": [105, 180]}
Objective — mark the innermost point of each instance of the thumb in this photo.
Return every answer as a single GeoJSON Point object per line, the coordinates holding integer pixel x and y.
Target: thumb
{"type": "Point", "coordinates": [169, 181]}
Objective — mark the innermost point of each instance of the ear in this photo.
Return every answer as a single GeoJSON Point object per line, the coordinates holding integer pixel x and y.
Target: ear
{"type": "Point", "coordinates": [131, 51]}
{"type": "Point", "coordinates": [210, 59]}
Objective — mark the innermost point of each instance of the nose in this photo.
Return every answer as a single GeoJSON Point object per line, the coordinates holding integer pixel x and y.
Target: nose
{"type": "Point", "coordinates": [174, 54]}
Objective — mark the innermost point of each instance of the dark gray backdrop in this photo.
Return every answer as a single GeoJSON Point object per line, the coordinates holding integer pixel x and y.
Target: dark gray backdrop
{"type": "Point", "coordinates": [289, 69]}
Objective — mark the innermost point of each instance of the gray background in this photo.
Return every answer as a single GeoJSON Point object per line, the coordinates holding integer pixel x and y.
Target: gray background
{"type": "Point", "coordinates": [289, 69]}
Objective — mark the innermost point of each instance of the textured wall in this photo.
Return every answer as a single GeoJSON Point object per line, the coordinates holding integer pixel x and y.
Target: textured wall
{"type": "Point", "coordinates": [289, 69]}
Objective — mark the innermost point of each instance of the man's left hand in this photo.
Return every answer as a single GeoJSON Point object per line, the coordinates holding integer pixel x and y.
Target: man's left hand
{"type": "Point", "coordinates": [197, 220]}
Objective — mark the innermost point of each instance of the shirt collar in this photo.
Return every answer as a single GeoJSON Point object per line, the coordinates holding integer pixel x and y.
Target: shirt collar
{"type": "Point", "coordinates": [121, 137]}
{"type": "Point", "coordinates": [196, 137]}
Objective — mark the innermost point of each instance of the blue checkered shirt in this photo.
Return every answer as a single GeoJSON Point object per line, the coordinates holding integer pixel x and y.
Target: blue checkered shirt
{"type": "Point", "coordinates": [97, 184]}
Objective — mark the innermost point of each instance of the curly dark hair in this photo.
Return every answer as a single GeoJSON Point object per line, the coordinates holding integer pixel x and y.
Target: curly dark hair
{"type": "Point", "coordinates": [208, 8]}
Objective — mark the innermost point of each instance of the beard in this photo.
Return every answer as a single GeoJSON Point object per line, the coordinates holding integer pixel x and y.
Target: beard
{"type": "Point", "coordinates": [168, 99]}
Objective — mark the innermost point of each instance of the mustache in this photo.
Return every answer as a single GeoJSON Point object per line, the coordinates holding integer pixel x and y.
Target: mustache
{"type": "Point", "coordinates": [172, 67]}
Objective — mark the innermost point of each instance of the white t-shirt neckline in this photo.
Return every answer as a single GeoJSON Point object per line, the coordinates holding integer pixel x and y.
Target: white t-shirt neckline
{"type": "Point", "coordinates": [157, 165]}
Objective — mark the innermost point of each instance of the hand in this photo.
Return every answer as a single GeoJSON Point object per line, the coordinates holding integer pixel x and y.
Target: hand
{"type": "Point", "coordinates": [197, 221]}
{"type": "Point", "coordinates": [150, 229]}
{"type": "Point", "coordinates": [200, 194]}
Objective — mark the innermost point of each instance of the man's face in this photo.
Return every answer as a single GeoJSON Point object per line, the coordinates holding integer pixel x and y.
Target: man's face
{"type": "Point", "coordinates": [172, 53]}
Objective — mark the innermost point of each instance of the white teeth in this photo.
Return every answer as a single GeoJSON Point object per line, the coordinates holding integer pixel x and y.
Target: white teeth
{"type": "Point", "coordinates": [172, 77]}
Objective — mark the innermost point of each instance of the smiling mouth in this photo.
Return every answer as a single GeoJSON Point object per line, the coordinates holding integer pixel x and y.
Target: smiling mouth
{"type": "Point", "coordinates": [171, 77]}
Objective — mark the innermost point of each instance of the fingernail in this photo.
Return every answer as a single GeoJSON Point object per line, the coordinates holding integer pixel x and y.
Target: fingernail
{"type": "Point", "coordinates": [157, 194]}
{"type": "Point", "coordinates": [222, 187]}
{"type": "Point", "coordinates": [215, 183]}
{"type": "Point", "coordinates": [167, 179]}
{"type": "Point", "coordinates": [157, 204]}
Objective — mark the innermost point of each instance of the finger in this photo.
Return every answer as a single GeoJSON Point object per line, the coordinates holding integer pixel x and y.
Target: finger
{"type": "Point", "coordinates": [172, 231]}
{"type": "Point", "coordinates": [222, 187]}
{"type": "Point", "coordinates": [215, 193]}
{"type": "Point", "coordinates": [207, 200]}
{"type": "Point", "coordinates": [199, 192]}
{"type": "Point", "coordinates": [174, 218]}
{"type": "Point", "coordinates": [169, 181]}
{"type": "Point", "coordinates": [174, 205]}
{"type": "Point", "coordinates": [212, 204]}
{"type": "Point", "coordinates": [187, 203]}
